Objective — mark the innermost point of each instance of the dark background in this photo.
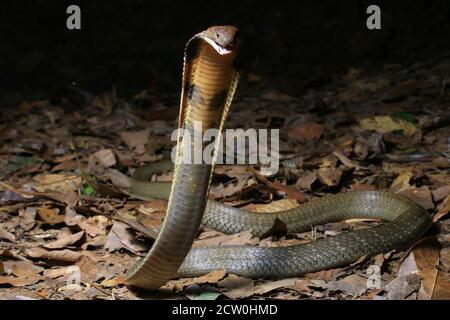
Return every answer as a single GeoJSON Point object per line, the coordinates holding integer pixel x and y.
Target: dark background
{"type": "Point", "coordinates": [138, 44]}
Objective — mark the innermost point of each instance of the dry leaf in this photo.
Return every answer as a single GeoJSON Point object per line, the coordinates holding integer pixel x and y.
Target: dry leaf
{"type": "Point", "coordinates": [330, 176]}
{"type": "Point", "coordinates": [59, 255]}
{"type": "Point", "coordinates": [50, 215]}
{"type": "Point", "coordinates": [212, 278]}
{"type": "Point", "coordinates": [401, 183]}
{"type": "Point", "coordinates": [65, 166]}
{"type": "Point", "coordinates": [353, 285]}
{"type": "Point", "coordinates": [105, 157]}
{"type": "Point", "coordinates": [250, 290]}
{"type": "Point", "coordinates": [20, 281]}
{"type": "Point", "coordinates": [88, 269]}
{"type": "Point", "coordinates": [306, 180]}
{"type": "Point", "coordinates": [426, 255]}
{"type": "Point", "coordinates": [441, 193]}
{"type": "Point", "coordinates": [420, 195]}
{"type": "Point", "coordinates": [277, 205]}
{"type": "Point", "coordinates": [346, 161]}
{"type": "Point", "coordinates": [66, 273]}
{"type": "Point", "coordinates": [291, 191]}
{"type": "Point", "coordinates": [402, 286]}
{"type": "Point", "coordinates": [443, 210]}
{"type": "Point", "coordinates": [230, 189]}
{"type": "Point", "coordinates": [233, 281]}
{"type": "Point", "coordinates": [362, 187]}
{"type": "Point", "coordinates": [214, 238]}
{"type": "Point", "coordinates": [25, 273]}
{"type": "Point", "coordinates": [95, 226]}
{"type": "Point", "coordinates": [64, 239]}
{"type": "Point", "coordinates": [307, 131]}
{"type": "Point", "coordinates": [27, 218]}
{"type": "Point", "coordinates": [7, 235]}
{"type": "Point", "coordinates": [119, 179]}
{"type": "Point", "coordinates": [71, 218]}
{"type": "Point", "coordinates": [56, 182]}
{"type": "Point", "coordinates": [21, 268]}
{"type": "Point", "coordinates": [442, 287]}
{"type": "Point", "coordinates": [386, 124]}
{"type": "Point", "coordinates": [136, 140]}
{"type": "Point", "coordinates": [120, 236]}
{"type": "Point", "coordinates": [408, 266]}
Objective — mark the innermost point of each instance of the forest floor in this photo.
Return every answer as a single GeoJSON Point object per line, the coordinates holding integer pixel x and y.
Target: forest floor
{"type": "Point", "coordinates": [68, 230]}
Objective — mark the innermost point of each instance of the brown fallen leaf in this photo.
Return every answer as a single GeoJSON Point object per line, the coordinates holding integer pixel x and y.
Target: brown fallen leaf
{"type": "Point", "coordinates": [441, 193]}
{"type": "Point", "coordinates": [387, 124]}
{"type": "Point", "coordinates": [71, 198]}
{"type": "Point", "coordinates": [65, 166]}
{"type": "Point", "coordinates": [21, 268]}
{"type": "Point", "coordinates": [59, 255]}
{"type": "Point", "coordinates": [330, 176]}
{"type": "Point", "coordinates": [56, 182]}
{"type": "Point", "coordinates": [402, 286]}
{"type": "Point", "coordinates": [325, 275]}
{"type": "Point", "coordinates": [346, 161]}
{"type": "Point", "coordinates": [401, 183]}
{"type": "Point", "coordinates": [420, 195]}
{"type": "Point", "coordinates": [69, 274]}
{"type": "Point", "coordinates": [96, 242]}
{"type": "Point", "coordinates": [136, 140]}
{"type": "Point", "coordinates": [151, 214]}
{"type": "Point", "coordinates": [249, 290]}
{"type": "Point", "coordinates": [233, 281]}
{"type": "Point", "coordinates": [71, 218]}
{"type": "Point", "coordinates": [64, 239]}
{"type": "Point", "coordinates": [119, 179]}
{"type": "Point", "coordinates": [277, 205]}
{"type": "Point", "coordinates": [426, 255]}
{"type": "Point", "coordinates": [88, 269]}
{"type": "Point", "coordinates": [221, 190]}
{"type": "Point", "coordinates": [105, 157]}
{"type": "Point", "coordinates": [306, 180]}
{"type": "Point", "coordinates": [4, 234]}
{"type": "Point", "coordinates": [120, 236]}
{"type": "Point", "coordinates": [442, 287]}
{"type": "Point", "coordinates": [408, 266]}
{"type": "Point", "coordinates": [354, 285]}
{"type": "Point", "coordinates": [211, 278]}
{"type": "Point", "coordinates": [27, 218]}
{"type": "Point", "coordinates": [95, 225]}
{"type": "Point", "coordinates": [363, 187]}
{"type": "Point", "coordinates": [214, 238]}
{"type": "Point", "coordinates": [25, 273]}
{"type": "Point", "coordinates": [50, 215]}
{"type": "Point", "coordinates": [291, 191]}
{"type": "Point", "coordinates": [443, 210]}
{"type": "Point", "coordinates": [307, 131]}
{"type": "Point", "coordinates": [20, 281]}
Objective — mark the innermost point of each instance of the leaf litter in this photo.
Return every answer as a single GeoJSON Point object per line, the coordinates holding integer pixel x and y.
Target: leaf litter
{"type": "Point", "coordinates": [69, 230]}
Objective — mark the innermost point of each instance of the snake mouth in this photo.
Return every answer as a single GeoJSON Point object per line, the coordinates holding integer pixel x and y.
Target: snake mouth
{"type": "Point", "coordinates": [220, 49]}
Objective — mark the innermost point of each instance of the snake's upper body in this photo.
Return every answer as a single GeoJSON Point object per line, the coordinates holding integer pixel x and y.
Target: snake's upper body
{"type": "Point", "coordinates": [209, 82]}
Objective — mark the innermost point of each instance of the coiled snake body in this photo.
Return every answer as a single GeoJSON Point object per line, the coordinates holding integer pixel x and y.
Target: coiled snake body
{"type": "Point", "coordinates": [209, 82]}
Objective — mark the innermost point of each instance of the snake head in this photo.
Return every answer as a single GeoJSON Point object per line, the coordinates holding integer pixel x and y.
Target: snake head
{"type": "Point", "coordinates": [222, 38]}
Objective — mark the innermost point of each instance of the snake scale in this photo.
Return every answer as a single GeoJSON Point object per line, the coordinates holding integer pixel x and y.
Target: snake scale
{"type": "Point", "coordinates": [209, 81]}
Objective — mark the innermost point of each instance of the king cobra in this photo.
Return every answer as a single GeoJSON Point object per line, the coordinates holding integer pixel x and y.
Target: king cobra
{"type": "Point", "coordinates": [210, 78]}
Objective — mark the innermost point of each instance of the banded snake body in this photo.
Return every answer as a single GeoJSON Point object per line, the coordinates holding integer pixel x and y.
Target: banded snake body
{"type": "Point", "coordinates": [209, 81]}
